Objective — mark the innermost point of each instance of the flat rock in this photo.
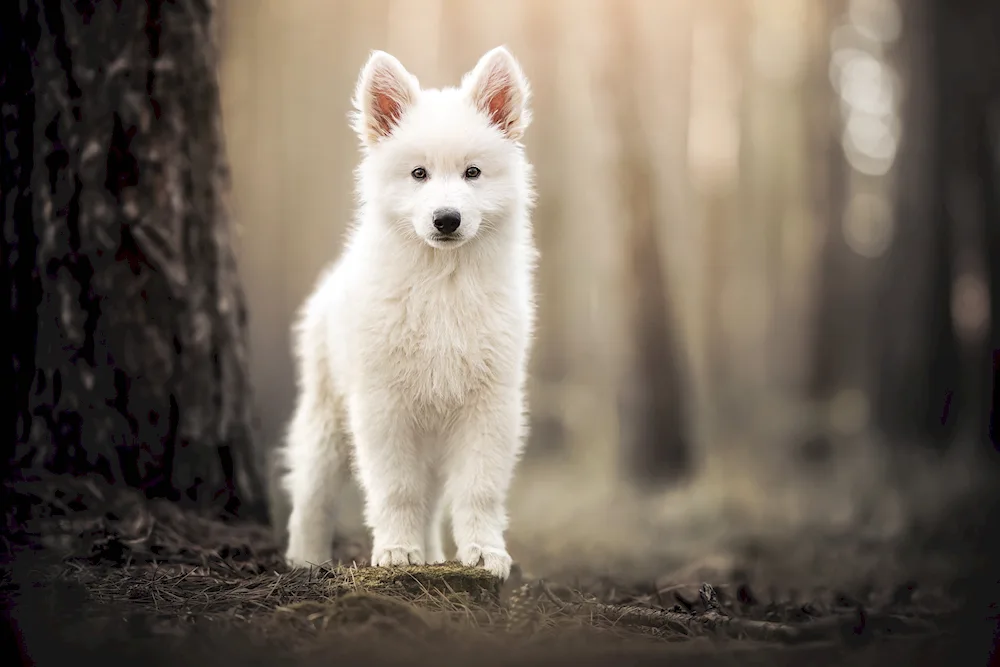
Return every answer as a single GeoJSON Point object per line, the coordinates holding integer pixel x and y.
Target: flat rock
{"type": "Point", "coordinates": [414, 581]}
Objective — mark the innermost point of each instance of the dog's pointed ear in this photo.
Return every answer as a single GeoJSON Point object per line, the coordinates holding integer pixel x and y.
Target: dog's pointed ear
{"type": "Point", "coordinates": [498, 88]}
{"type": "Point", "coordinates": [384, 92]}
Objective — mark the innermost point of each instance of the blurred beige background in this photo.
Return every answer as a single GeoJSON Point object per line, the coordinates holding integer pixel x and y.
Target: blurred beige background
{"type": "Point", "coordinates": [767, 130]}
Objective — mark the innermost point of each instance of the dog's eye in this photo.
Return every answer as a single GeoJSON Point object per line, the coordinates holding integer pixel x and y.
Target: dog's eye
{"type": "Point", "coordinates": [472, 173]}
{"type": "Point", "coordinates": [419, 173]}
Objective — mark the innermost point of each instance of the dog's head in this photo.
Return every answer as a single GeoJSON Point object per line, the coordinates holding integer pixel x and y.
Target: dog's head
{"type": "Point", "coordinates": [445, 165]}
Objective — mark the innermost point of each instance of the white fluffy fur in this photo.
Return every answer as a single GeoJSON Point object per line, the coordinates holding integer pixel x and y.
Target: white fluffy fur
{"type": "Point", "coordinates": [412, 352]}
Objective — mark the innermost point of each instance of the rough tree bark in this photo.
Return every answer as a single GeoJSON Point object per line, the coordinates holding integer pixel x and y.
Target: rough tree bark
{"type": "Point", "coordinates": [653, 400]}
{"type": "Point", "coordinates": [124, 324]}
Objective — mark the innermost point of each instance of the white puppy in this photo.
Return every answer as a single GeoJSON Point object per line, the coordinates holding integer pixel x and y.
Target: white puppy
{"type": "Point", "coordinates": [412, 350]}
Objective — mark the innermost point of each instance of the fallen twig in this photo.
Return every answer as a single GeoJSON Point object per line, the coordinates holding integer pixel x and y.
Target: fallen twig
{"type": "Point", "coordinates": [715, 620]}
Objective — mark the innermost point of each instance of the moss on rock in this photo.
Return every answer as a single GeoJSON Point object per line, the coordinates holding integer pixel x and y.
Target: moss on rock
{"type": "Point", "coordinates": [415, 581]}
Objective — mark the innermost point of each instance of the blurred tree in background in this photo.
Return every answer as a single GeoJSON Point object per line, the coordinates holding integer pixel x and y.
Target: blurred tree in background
{"type": "Point", "coordinates": [913, 277]}
{"type": "Point", "coordinates": [951, 198]}
{"type": "Point", "coordinates": [654, 397]}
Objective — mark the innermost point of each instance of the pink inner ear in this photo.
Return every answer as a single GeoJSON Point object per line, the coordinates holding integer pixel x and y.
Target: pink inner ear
{"type": "Point", "coordinates": [497, 107]}
{"type": "Point", "coordinates": [387, 109]}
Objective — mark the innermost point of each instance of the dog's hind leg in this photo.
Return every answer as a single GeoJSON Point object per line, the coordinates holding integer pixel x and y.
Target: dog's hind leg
{"type": "Point", "coordinates": [315, 455]}
{"type": "Point", "coordinates": [435, 529]}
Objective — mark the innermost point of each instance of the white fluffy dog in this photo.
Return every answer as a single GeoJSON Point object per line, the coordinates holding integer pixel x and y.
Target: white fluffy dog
{"type": "Point", "coordinates": [412, 350]}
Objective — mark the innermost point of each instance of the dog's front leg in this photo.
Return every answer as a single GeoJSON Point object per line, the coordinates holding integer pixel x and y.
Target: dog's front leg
{"type": "Point", "coordinates": [482, 453]}
{"type": "Point", "coordinates": [394, 480]}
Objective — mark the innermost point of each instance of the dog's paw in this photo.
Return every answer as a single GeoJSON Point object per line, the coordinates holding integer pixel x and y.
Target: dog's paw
{"type": "Point", "coordinates": [397, 555]}
{"type": "Point", "coordinates": [436, 557]}
{"type": "Point", "coordinates": [496, 561]}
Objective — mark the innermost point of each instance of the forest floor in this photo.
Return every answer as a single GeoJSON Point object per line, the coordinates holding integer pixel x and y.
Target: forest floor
{"type": "Point", "coordinates": [112, 578]}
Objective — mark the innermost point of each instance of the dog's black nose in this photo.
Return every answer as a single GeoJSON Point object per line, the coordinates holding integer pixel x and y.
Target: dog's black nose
{"type": "Point", "coordinates": [447, 220]}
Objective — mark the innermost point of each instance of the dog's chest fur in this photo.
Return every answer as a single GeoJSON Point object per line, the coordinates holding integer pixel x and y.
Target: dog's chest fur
{"type": "Point", "coordinates": [445, 338]}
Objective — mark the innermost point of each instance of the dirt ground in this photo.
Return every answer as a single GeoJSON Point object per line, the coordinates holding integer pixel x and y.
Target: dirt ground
{"type": "Point", "coordinates": [103, 575]}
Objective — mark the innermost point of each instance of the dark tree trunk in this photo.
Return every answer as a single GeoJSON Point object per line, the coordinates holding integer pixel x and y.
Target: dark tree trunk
{"type": "Point", "coordinates": [986, 147]}
{"type": "Point", "coordinates": [125, 336]}
{"type": "Point", "coordinates": [653, 401]}
{"type": "Point", "coordinates": [949, 186]}
{"type": "Point", "coordinates": [916, 353]}
{"type": "Point", "coordinates": [989, 154]}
